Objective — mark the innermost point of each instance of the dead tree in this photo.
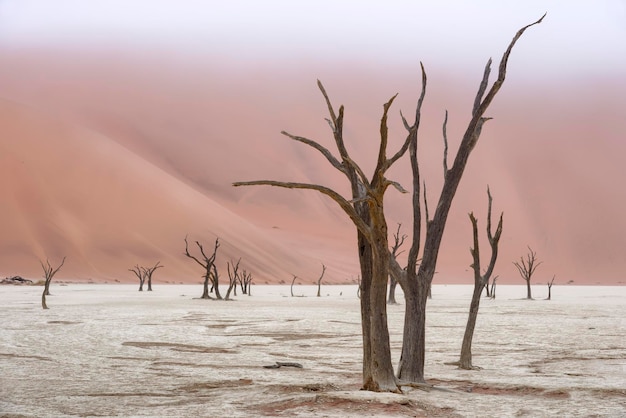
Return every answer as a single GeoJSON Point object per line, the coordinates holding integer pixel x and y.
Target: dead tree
{"type": "Point", "coordinates": [416, 282]}
{"type": "Point", "coordinates": [137, 270]}
{"type": "Point", "coordinates": [319, 281]}
{"type": "Point", "coordinates": [292, 282]}
{"type": "Point", "coordinates": [526, 268]}
{"type": "Point", "coordinates": [366, 210]}
{"type": "Point", "coordinates": [397, 243]}
{"type": "Point", "coordinates": [147, 273]}
{"type": "Point", "coordinates": [493, 288]}
{"type": "Point", "coordinates": [208, 264]}
{"type": "Point", "coordinates": [550, 287]}
{"type": "Point", "coordinates": [465, 361]}
{"type": "Point", "coordinates": [245, 282]}
{"type": "Point", "coordinates": [49, 273]}
{"type": "Point", "coordinates": [233, 277]}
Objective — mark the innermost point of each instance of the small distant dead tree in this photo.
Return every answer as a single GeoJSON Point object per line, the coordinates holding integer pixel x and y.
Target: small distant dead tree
{"type": "Point", "coordinates": [465, 361]}
{"type": "Point", "coordinates": [397, 243]}
{"type": "Point", "coordinates": [210, 270]}
{"type": "Point", "coordinates": [493, 288]}
{"type": "Point", "coordinates": [550, 287]}
{"type": "Point", "coordinates": [147, 274]}
{"type": "Point", "coordinates": [140, 275]}
{"type": "Point", "coordinates": [292, 282]}
{"type": "Point", "coordinates": [49, 273]}
{"type": "Point", "coordinates": [245, 280]}
{"type": "Point", "coordinates": [233, 277]}
{"type": "Point", "coordinates": [526, 267]}
{"type": "Point", "coordinates": [319, 281]}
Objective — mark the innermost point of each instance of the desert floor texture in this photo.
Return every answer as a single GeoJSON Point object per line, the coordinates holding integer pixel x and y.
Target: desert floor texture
{"type": "Point", "coordinates": [109, 350]}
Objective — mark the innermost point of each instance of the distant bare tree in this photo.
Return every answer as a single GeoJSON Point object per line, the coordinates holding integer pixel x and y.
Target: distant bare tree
{"type": "Point", "coordinates": [208, 264]}
{"type": "Point", "coordinates": [319, 281]}
{"type": "Point", "coordinates": [465, 361]}
{"type": "Point", "coordinates": [246, 282]}
{"type": "Point", "coordinates": [550, 287]}
{"type": "Point", "coordinates": [292, 282]}
{"type": "Point", "coordinates": [147, 273]}
{"type": "Point", "coordinates": [492, 293]}
{"type": "Point", "coordinates": [526, 267]}
{"type": "Point", "coordinates": [49, 273]}
{"type": "Point", "coordinates": [233, 277]}
{"type": "Point", "coordinates": [397, 243]}
{"type": "Point", "coordinates": [137, 270]}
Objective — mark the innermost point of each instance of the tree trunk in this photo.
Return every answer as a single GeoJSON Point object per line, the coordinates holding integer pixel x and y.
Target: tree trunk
{"type": "Point", "coordinates": [381, 377]}
{"type": "Point", "coordinates": [465, 361]}
{"type": "Point", "coordinates": [205, 293]}
{"type": "Point", "coordinates": [43, 297]}
{"type": "Point", "coordinates": [411, 365]}
{"type": "Point", "coordinates": [149, 284]}
{"type": "Point", "coordinates": [391, 300]}
{"type": "Point", "coordinates": [528, 294]}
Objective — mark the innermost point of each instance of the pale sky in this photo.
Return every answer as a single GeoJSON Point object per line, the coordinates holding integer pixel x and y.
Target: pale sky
{"type": "Point", "coordinates": [578, 37]}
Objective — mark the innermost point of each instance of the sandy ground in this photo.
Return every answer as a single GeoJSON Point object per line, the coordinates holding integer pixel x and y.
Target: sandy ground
{"type": "Point", "coordinates": [108, 350]}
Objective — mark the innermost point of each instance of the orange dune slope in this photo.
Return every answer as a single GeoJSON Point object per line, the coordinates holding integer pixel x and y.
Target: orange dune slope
{"type": "Point", "coordinates": [68, 191]}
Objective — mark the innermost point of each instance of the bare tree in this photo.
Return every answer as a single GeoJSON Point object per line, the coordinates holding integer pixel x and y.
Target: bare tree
{"type": "Point", "coordinates": [397, 243]}
{"type": "Point", "coordinates": [319, 281]}
{"type": "Point", "coordinates": [245, 282]}
{"type": "Point", "coordinates": [147, 273]}
{"type": "Point", "coordinates": [365, 209]}
{"type": "Point", "coordinates": [233, 276]}
{"type": "Point", "coordinates": [465, 361]}
{"type": "Point", "coordinates": [137, 270]}
{"type": "Point", "coordinates": [550, 287]}
{"type": "Point", "coordinates": [49, 273]}
{"type": "Point", "coordinates": [208, 264]}
{"type": "Point", "coordinates": [493, 288]}
{"type": "Point", "coordinates": [292, 282]}
{"type": "Point", "coordinates": [416, 282]}
{"type": "Point", "coordinates": [526, 267]}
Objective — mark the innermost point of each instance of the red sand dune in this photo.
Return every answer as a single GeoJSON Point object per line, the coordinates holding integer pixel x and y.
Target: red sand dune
{"type": "Point", "coordinates": [112, 164]}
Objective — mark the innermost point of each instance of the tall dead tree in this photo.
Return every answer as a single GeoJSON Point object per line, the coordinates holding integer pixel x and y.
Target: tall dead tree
{"type": "Point", "coordinates": [480, 280]}
{"type": "Point", "coordinates": [147, 273]}
{"type": "Point", "coordinates": [397, 243]}
{"type": "Point", "coordinates": [48, 274]}
{"type": "Point", "coordinates": [208, 264]}
{"type": "Point", "coordinates": [526, 268]}
{"type": "Point", "coordinates": [137, 270]}
{"type": "Point", "coordinates": [550, 283]}
{"type": "Point", "coordinates": [416, 282]}
{"type": "Point", "coordinates": [366, 210]}
{"type": "Point", "coordinates": [319, 281]}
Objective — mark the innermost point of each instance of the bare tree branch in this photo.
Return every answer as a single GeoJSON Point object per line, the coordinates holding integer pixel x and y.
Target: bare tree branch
{"type": "Point", "coordinates": [340, 200]}
{"type": "Point", "coordinates": [329, 156]}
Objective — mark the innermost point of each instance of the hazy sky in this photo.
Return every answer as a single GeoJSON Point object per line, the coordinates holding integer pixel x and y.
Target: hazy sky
{"type": "Point", "coordinates": [578, 37]}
